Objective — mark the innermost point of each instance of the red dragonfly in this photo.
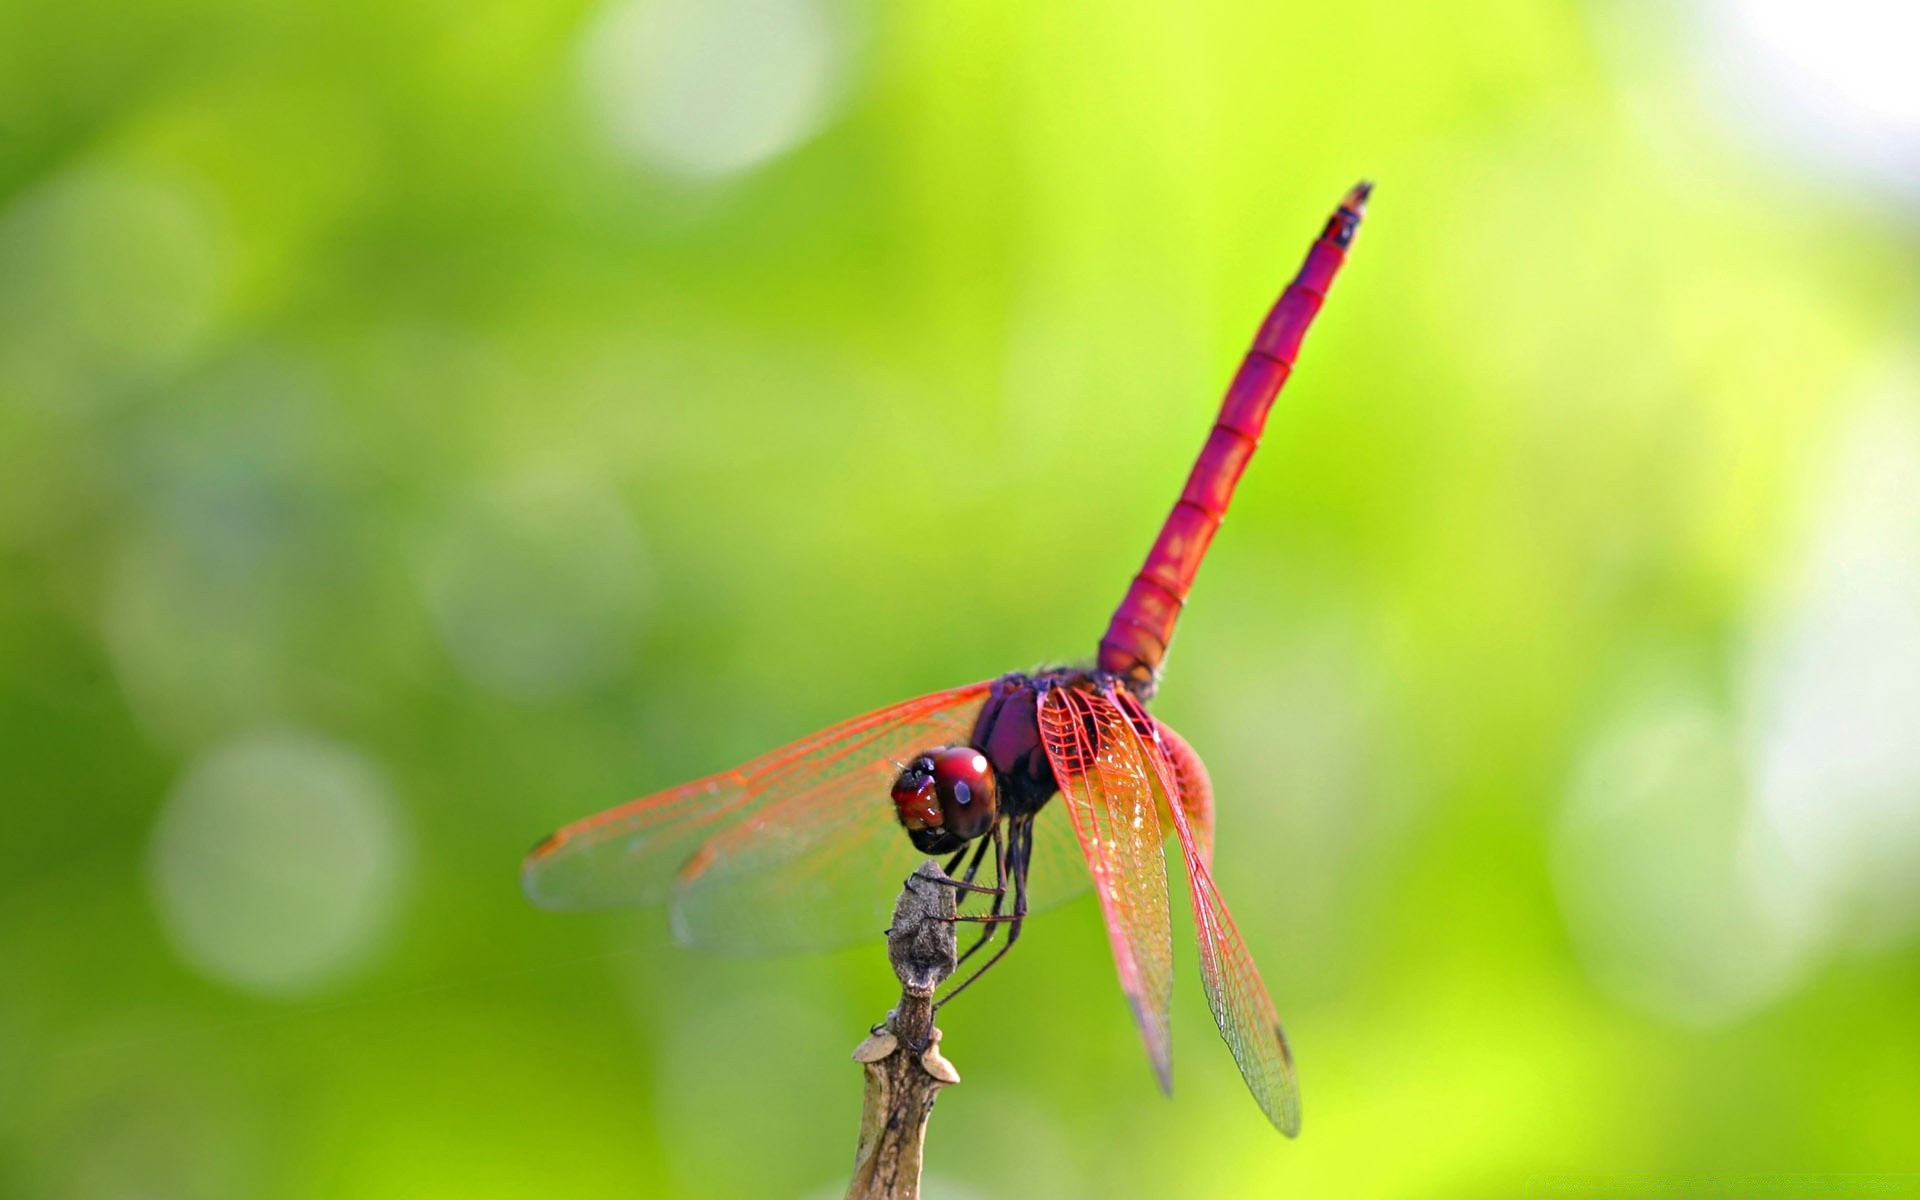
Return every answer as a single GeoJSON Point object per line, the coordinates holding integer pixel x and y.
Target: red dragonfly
{"type": "Point", "coordinates": [796, 850]}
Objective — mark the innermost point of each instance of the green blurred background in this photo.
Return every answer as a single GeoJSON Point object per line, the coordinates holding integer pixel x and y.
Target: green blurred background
{"type": "Point", "coordinates": [422, 424]}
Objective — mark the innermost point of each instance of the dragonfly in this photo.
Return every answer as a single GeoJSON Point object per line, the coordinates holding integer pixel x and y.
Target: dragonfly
{"type": "Point", "coordinates": [801, 848]}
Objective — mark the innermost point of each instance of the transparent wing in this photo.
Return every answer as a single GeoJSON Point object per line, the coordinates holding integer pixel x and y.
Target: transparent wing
{"type": "Point", "coordinates": [802, 875]}
{"type": "Point", "coordinates": [1194, 787]}
{"type": "Point", "coordinates": [799, 875]}
{"type": "Point", "coordinates": [1108, 788]}
{"type": "Point", "coordinates": [1241, 1007]}
{"type": "Point", "coordinates": [798, 849]}
{"type": "Point", "coordinates": [1057, 868]}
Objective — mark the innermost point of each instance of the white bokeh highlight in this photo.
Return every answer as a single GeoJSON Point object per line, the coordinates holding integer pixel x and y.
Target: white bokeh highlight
{"type": "Point", "coordinates": [706, 89]}
{"type": "Point", "coordinates": [1834, 687]}
{"type": "Point", "coordinates": [1828, 84]}
{"type": "Point", "coordinates": [1666, 883]}
{"type": "Point", "coordinates": [1712, 854]}
{"type": "Point", "coordinates": [277, 862]}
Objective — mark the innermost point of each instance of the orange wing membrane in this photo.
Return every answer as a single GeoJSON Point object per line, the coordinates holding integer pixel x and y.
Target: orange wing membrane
{"type": "Point", "coordinates": [795, 850]}
{"type": "Point", "coordinates": [1241, 1007]}
{"type": "Point", "coordinates": [1108, 787]}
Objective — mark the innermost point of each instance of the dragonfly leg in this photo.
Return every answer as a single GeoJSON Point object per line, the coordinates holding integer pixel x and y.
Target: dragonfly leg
{"type": "Point", "coordinates": [1000, 878]}
{"type": "Point", "coordinates": [966, 886]}
{"type": "Point", "coordinates": [1021, 835]}
{"type": "Point", "coordinates": [980, 852]}
{"type": "Point", "coordinates": [973, 869]}
{"type": "Point", "coordinates": [960, 885]}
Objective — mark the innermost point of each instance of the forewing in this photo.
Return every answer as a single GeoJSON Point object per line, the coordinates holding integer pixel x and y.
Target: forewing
{"type": "Point", "coordinates": [813, 869]}
{"type": "Point", "coordinates": [1241, 1007]}
{"type": "Point", "coordinates": [807, 826]}
{"type": "Point", "coordinates": [1107, 786]}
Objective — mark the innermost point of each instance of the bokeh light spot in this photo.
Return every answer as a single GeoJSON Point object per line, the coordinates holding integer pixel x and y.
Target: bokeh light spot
{"type": "Point", "coordinates": [221, 579]}
{"type": "Point", "coordinates": [1835, 688]}
{"type": "Point", "coordinates": [705, 89]}
{"type": "Point", "coordinates": [1828, 83]}
{"type": "Point", "coordinates": [536, 586]}
{"type": "Point", "coordinates": [277, 861]}
{"type": "Point", "coordinates": [103, 272]}
{"type": "Point", "coordinates": [1661, 869]}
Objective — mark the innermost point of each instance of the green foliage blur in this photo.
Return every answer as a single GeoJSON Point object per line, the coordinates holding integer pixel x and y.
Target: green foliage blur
{"type": "Point", "coordinates": [424, 424]}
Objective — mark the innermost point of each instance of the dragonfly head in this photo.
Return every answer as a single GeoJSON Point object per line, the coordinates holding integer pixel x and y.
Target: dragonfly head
{"type": "Point", "coordinates": [945, 798]}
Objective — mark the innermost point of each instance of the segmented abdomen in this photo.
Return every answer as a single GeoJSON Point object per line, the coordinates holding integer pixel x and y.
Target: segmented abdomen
{"type": "Point", "coordinates": [1136, 641]}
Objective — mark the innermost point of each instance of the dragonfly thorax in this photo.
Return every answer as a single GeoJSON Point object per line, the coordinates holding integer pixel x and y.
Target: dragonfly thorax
{"type": "Point", "coordinates": [946, 797]}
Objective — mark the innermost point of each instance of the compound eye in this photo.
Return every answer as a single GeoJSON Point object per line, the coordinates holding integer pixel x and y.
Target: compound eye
{"type": "Point", "coordinates": [965, 781]}
{"type": "Point", "coordinates": [963, 776]}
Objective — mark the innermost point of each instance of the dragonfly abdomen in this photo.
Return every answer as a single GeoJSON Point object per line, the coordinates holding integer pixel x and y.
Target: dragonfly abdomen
{"type": "Point", "coordinates": [1136, 640]}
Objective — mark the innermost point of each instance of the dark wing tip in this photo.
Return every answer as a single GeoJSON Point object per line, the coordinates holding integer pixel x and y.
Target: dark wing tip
{"type": "Point", "coordinates": [1357, 198]}
{"type": "Point", "coordinates": [530, 871]}
{"type": "Point", "coordinates": [1287, 1120]}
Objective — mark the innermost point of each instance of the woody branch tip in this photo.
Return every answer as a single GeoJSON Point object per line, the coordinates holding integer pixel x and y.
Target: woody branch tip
{"type": "Point", "coordinates": [904, 1067]}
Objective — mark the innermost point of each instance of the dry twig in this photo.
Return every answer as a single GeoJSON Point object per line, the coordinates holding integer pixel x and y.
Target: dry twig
{"type": "Point", "coordinates": [905, 1069]}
